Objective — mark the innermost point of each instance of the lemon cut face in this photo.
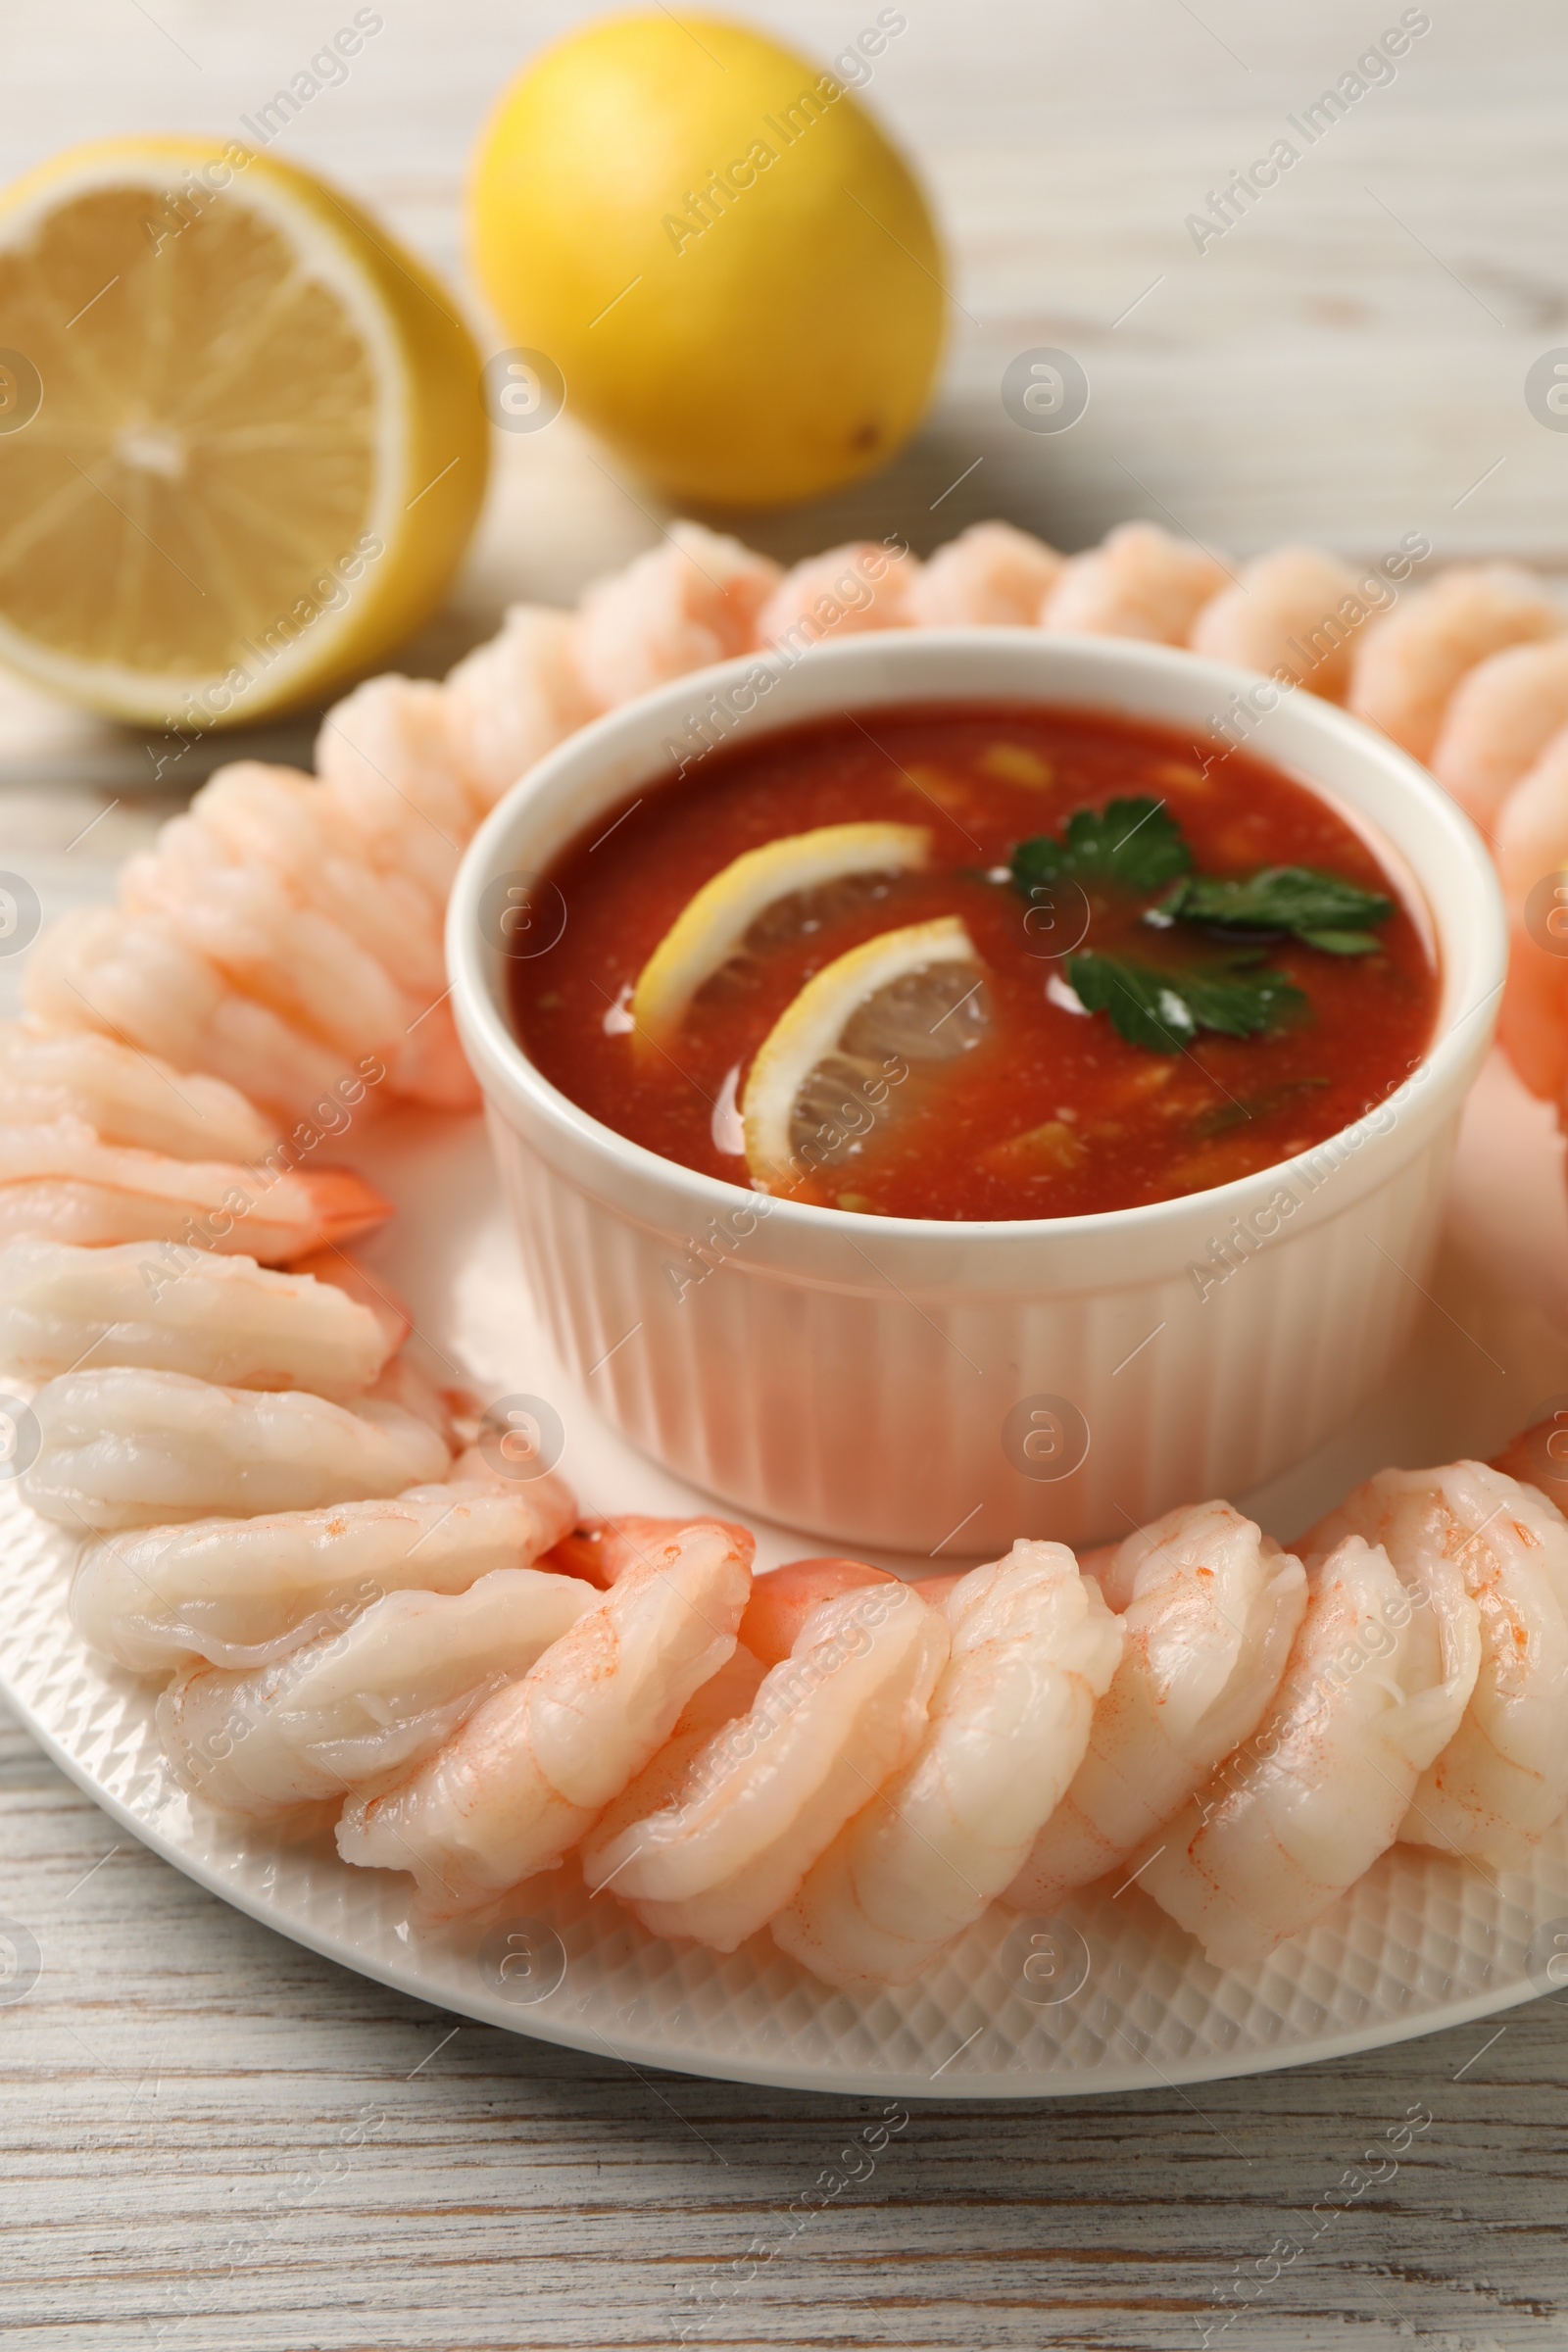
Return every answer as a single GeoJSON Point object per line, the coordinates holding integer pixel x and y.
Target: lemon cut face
{"type": "Point", "coordinates": [241, 440]}
{"type": "Point", "coordinates": [827, 1071]}
{"type": "Point", "coordinates": [717, 924]}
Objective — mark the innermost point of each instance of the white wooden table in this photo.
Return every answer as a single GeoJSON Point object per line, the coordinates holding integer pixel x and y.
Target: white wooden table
{"type": "Point", "coordinates": [213, 2138]}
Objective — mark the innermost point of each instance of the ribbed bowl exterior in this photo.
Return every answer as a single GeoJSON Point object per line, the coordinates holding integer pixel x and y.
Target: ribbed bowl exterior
{"type": "Point", "coordinates": [877, 1415]}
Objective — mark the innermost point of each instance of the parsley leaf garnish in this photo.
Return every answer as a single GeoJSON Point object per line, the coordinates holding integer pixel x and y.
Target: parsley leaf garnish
{"type": "Point", "coordinates": [1133, 845]}
{"type": "Point", "coordinates": [1318, 908]}
{"type": "Point", "coordinates": [1164, 1010]}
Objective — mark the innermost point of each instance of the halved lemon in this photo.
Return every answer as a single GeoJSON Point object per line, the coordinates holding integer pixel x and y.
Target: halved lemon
{"type": "Point", "coordinates": [713, 926]}
{"type": "Point", "coordinates": [242, 443]}
{"type": "Point", "coordinates": [825, 1073]}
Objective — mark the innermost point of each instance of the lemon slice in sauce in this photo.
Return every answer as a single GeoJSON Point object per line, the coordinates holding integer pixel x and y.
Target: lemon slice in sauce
{"type": "Point", "coordinates": [713, 926]}
{"type": "Point", "coordinates": [831, 1069]}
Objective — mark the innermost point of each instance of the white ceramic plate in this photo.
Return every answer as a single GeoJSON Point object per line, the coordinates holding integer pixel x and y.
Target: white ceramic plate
{"type": "Point", "coordinates": [1111, 1995]}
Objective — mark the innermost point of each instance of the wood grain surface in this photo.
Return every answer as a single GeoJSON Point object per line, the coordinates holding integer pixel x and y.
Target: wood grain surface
{"type": "Point", "coordinates": [212, 2138]}
{"type": "Point", "coordinates": [216, 2139]}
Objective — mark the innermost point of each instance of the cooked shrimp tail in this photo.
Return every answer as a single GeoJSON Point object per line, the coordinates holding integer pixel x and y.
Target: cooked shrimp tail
{"type": "Point", "coordinates": [126, 1448]}
{"type": "Point", "coordinates": [1139, 582]}
{"type": "Point", "coordinates": [530, 1772]}
{"type": "Point", "coordinates": [1210, 1611]}
{"type": "Point", "coordinates": [992, 576]}
{"type": "Point", "coordinates": [1033, 1648]}
{"type": "Point", "coordinates": [374, 1697]}
{"type": "Point", "coordinates": [1502, 1780]}
{"type": "Point", "coordinates": [1377, 1682]}
{"type": "Point", "coordinates": [603, 1549]}
{"type": "Point", "coordinates": [1404, 670]}
{"type": "Point", "coordinates": [764, 1797]}
{"type": "Point", "coordinates": [126, 1097]}
{"type": "Point", "coordinates": [60, 1182]}
{"type": "Point", "coordinates": [782, 1600]}
{"type": "Point", "coordinates": [1295, 610]}
{"type": "Point", "coordinates": [222, 1319]}
{"type": "Point", "coordinates": [243, 1592]}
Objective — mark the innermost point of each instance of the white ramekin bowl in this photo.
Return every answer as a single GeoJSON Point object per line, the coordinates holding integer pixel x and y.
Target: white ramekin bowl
{"type": "Point", "coordinates": [909, 1385]}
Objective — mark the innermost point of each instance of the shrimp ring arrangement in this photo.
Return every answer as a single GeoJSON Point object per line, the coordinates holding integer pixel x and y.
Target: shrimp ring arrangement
{"type": "Point", "coordinates": [341, 1611]}
{"type": "Point", "coordinates": [285, 934]}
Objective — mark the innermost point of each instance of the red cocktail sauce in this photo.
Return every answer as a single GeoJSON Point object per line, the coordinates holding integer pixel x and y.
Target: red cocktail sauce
{"type": "Point", "coordinates": [1053, 1114]}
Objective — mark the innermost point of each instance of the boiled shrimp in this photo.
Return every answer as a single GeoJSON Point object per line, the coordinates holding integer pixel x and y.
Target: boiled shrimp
{"type": "Point", "coordinates": [1210, 1610]}
{"type": "Point", "coordinates": [1502, 715]}
{"type": "Point", "coordinates": [1293, 610]}
{"type": "Point", "coordinates": [281, 945]}
{"type": "Point", "coordinates": [725, 1695]}
{"type": "Point", "coordinates": [1502, 1779]}
{"type": "Point", "coordinates": [126, 1448]}
{"type": "Point", "coordinates": [1033, 1646]}
{"type": "Point", "coordinates": [277, 819]}
{"type": "Point", "coordinates": [58, 1182]}
{"type": "Point", "coordinates": [386, 764]}
{"type": "Point", "coordinates": [1139, 582]}
{"type": "Point", "coordinates": [528, 1774]}
{"type": "Point", "coordinates": [124, 1096]}
{"type": "Point", "coordinates": [242, 1592]}
{"type": "Point", "coordinates": [285, 934]}
{"type": "Point", "coordinates": [1532, 826]}
{"type": "Point", "coordinates": [1530, 846]}
{"type": "Point", "coordinates": [99, 969]}
{"type": "Point", "coordinates": [693, 601]}
{"type": "Point", "coordinates": [515, 698]}
{"type": "Point", "coordinates": [1378, 1680]}
{"type": "Point", "coordinates": [1404, 671]}
{"type": "Point", "coordinates": [1533, 1019]}
{"type": "Point", "coordinates": [222, 1319]}
{"type": "Point", "coordinates": [839, 594]}
{"type": "Point", "coordinates": [782, 1600]}
{"type": "Point", "coordinates": [991, 575]}
{"type": "Point", "coordinates": [381, 1695]}
{"type": "Point", "coordinates": [330, 1264]}
{"type": "Point", "coordinates": [600, 1550]}
{"type": "Point", "coordinates": [1539, 1457]}
{"type": "Point", "coordinates": [283, 952]}
{"type": "Point", "coordinates": [456, 1414]}
{"type": "Point", "coordinates": [766, 1795]}
{"type": "Point", "coordinates": [270, 948]}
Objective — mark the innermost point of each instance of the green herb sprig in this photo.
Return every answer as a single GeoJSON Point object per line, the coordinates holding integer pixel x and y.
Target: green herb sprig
{"type": "Point", "coordinates": [1164, 1010]}
{"type": "Point", "coordinates": [1292, 900]}
{"type": "Point", "coordinates": [1133, 845]}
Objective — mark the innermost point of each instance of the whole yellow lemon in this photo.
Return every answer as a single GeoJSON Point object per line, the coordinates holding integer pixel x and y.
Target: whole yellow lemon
{"type": "Point", "coordinates": [734, 273]}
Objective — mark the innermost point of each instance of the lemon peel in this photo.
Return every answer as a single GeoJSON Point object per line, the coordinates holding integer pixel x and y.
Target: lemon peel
{"type": "Point", "coordinates": [713, 923]}
{"type": "Point", "coordinates": [852, 1028]}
